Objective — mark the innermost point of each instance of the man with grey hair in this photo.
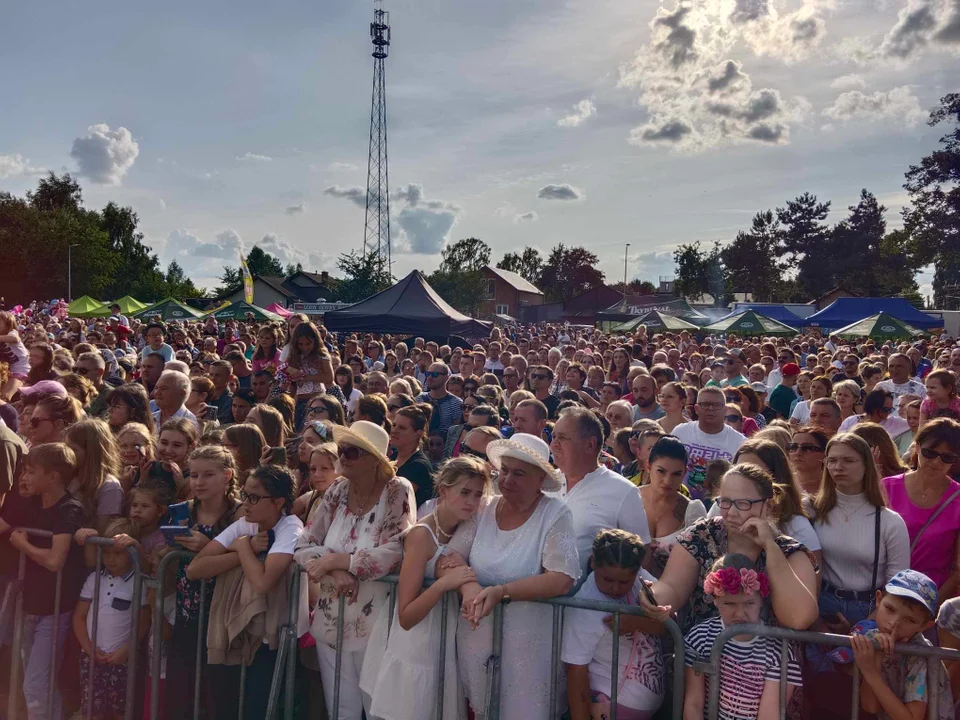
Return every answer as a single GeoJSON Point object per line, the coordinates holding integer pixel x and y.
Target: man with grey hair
{"type": "Point", "coordinates": [377, 383]}
{"type": "Point", "coordinates": [170, 396]}
{"type": "Point", "coordinates": [598, 498]}
{"type": "Point", "coordinates": [92, 366]}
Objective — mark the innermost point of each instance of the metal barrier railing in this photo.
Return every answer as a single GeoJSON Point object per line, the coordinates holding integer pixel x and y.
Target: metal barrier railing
{"type": "Point", "coordinates": [16, 660]}
{"type": "Point", "coordinates": [787, 636]}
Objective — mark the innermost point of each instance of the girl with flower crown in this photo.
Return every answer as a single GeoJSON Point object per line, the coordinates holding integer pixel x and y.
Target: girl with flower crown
{"type": "Point", "coordinates": [749, 665]}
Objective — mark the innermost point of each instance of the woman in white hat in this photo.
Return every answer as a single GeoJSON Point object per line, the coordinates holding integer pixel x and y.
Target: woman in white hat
{"type": "Point", "coordinates": [525, 549]}
{"type": "Point", "coordinates": [355, 540]}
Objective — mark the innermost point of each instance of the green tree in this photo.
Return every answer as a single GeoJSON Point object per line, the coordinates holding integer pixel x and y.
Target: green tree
{"type": "Point", "coordinates": [807, 243]}
{"type": "Point", "coordinates": [459, 279]}
{"type": "Point", "coordinates": [569, 272]}
{"type": "Point", "coordinates": [635, 287]}
{"type": "Point", "coordinates": [527, 264]}
{"type": "Point", "coordinates": [752, 260]}
{"type": "Point", "coordinates": [363, 276]}
{"type": "Point", "coordinates": [933, 218]}
{"type": "Point", "coordinates": [260, 263]}
{"type": "Point", "coordinates": [177, 284]}
{"type": "Point", "coordinates": [700, 272]}
{"type": "Point", "coordinates": [856, 247]}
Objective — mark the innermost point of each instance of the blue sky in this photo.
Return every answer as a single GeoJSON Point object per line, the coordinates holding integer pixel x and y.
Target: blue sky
{"type": "Point", "coordinates": [593, 122]}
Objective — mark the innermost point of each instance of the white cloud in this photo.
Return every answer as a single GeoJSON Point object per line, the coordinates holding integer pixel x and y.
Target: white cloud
{"type": "Point", "coordinates": [354, 193]}
{"type": "Point", "coordinates": [425, 225]}
{"type": "Point", "coordinates": [848, 82]}
{"type": "Point", "coordinates": [163, 204]}
{"type": "Point", "coordinates": [296, 209]}
{"type": "Point", "coordinates": [563, 191]}
{"type": "Point", "coordinates": [897, 104]}
{"type": "Point", "coordinates": [526, 217]}
{"type": "Point", "coordinates": [254, 157]}
{"type": "Point", "coordinates": [581, 111]}
{"type": "Point", "coordinates": [14, 165]}
{"type": "Point", "coordinates": [412, 194]}
{"type": "Point", "coordinates": [288, 254]}
{"type": "Point", "coordinates": [342, 167]}
{"type": "Point", "coordinates": [652, 265]}
{"type": "Point", "coordinates": [105, 155]}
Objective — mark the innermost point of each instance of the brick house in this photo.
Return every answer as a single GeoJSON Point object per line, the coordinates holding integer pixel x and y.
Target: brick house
{"type": "Point", "coordinates": [507, 293]}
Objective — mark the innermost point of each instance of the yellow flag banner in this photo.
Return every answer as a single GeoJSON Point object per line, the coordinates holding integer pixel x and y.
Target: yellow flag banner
{"type": "Point", "coordinates": [247, 281]}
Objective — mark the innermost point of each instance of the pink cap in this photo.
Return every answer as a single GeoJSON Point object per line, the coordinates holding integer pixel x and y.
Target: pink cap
{"type": "Point", "coordinates": [49, 387]}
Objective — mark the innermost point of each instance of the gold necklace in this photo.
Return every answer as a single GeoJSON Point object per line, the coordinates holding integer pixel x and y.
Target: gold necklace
{"type": "Point", "coordinates": [361, 509]}
{"type": "Point", "coordinates": [440, 530]}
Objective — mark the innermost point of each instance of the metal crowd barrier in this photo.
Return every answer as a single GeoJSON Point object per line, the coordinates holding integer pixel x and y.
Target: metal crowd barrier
{"type": "Point", "coordinates": [934, 655]}
{"type": "Point", "coordinates": [15, 590]}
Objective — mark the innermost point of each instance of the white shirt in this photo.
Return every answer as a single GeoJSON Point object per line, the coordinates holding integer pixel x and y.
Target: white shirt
{"type": "Point", "coordinates": [286, 533]}
{"type": "Point", "coordinates": [702, 449]}
{"type": "Point", "coordinates": [801, 412]}
{"type": "Point", "coordinates": [493, 365]}
{"type": "Point", "coordinates": [604, 499]}
{"type": "Point", "coordinates": [910, 387]}
{"type": "Point", "coordinates": [183, 412]}
{"type": "Point", "coordinates": [893, 424]}
{"type": "Point", "coordinates": [113, 608]}
{"type": "Point", "coordinates": [774, 378]}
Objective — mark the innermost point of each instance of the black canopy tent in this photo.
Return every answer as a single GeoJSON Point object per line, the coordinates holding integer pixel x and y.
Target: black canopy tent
{"type": "Point", "coordinates": [411, 307]}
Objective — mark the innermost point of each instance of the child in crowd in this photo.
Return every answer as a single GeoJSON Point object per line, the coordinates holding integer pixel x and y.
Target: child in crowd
{"type": "Point", "coordinates": [114, 607]}
{"type": "Point", "coordinates": [588, 639]}
{"type": "Point", "coordinates": [148, 508]}
{"type": "Point", "coordinates": [178, 438]}
{"type": "Point", "coordinates": [136, 449]}
{"type": "Point", "coordinates": [307, 361]}
{"type": "Point", "coordinates": [98, 464]}
{"type": "Point", "coordinates": [323, 473]}
{"type": "Point", "coordinates": [941, 400]}
{"type": "Point", "coordinates": [45, 504]}
{"type": "Point", "coordinates": [948, 624]}
{"type": "Point", "coordinates": [711, 481]}
{"type": "Point", "coordinates": [897, 686]}
{"type": "Point", "coordinates": [750, 665]}
{"type": "Point", "coordinates": [14, 353]}
{"type": "Point", "coordinates": [400, 672]}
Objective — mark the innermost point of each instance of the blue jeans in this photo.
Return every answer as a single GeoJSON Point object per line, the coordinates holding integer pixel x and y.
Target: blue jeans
{"type": "Point", "coordinates": [853, 610]}
{"type": "Point", "coordinates": [38, 633]}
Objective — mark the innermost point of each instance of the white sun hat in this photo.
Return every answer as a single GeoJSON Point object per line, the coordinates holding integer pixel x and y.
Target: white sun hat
{"type": "Point", "coordinates": [529, 449]}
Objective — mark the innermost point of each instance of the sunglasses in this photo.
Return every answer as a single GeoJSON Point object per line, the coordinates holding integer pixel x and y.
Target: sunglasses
{"type": "Point", "coordinates": [35, 421]}
{"type": "Point", "coordinates": [885, 410]}
{"type": "Point", "coordinates": [464, 450]}
{"type": "Point", "coordinates": [470, 388]}
{"type": "Point", "coordinates": [350, 452]}
{"type": "Point", "coordinates": [733, 418]}
{"type": "Point", "coordinates": [803, 447]}
{"type": "Point", "coordinates": [434, 374]}
{"type": "Point", "coordinates": [946, 458]}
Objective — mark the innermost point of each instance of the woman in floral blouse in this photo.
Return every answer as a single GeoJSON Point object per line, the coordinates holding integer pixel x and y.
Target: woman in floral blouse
{"type": "Point", "coordinates": [354, 540]}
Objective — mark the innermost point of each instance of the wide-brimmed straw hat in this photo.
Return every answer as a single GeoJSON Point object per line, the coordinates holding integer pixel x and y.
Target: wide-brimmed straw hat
{"type": "Point", "coordinates": [365, 435]}
{"type": "Point", "coordinates": [529, 449]}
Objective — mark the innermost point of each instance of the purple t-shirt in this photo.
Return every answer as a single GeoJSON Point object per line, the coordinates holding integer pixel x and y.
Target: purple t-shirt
{"type": "Point", "coordinates": [935, 553]}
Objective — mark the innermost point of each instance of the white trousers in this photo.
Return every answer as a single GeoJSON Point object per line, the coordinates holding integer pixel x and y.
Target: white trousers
{"type": "Point", "coordinates": [353, 701]}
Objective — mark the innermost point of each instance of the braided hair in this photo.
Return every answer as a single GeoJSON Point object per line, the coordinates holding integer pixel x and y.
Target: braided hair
{"type": "Point", "coordinates": [618, 548]}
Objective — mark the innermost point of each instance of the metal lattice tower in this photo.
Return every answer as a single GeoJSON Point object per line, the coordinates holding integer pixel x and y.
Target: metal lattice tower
{"type": "Point", "coordinates": [376, 233]}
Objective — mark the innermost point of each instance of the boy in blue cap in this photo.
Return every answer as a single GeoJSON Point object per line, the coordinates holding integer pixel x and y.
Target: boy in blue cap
{"type": "Point", "coordinates": [895, 687]}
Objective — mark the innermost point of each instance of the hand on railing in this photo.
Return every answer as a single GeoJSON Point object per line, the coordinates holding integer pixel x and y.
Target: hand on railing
{"type": "Point", "coordinates": [83, 534]}
{"type": "Point", "coordinates": [869, 652]}
{"type": "Point", "coordinates": [456, 577]}
{"type": "Point", "coordinates": [346, 585]}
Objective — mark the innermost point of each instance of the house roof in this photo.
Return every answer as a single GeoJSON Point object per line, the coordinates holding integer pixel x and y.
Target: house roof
{"type": "Point", "coordinates": [316, 277]}
{"type": "Point", "coordinates": [276, 283]}
{"type": "Point", "coordinates": [514, 280]}
{"type": "Point", "coordinates": [831, 291]}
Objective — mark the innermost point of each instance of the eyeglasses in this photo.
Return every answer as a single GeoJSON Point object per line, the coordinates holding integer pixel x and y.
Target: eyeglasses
{"type": "Point", "coordinates": [252, 498]}
{"type": "Point", "coordinates": [464, 450]}
{"type": "Point", "coordinates": [434, 374]}
{"type": "Point", "coordinates": [741, 504]}
{"type": "Point", "coordinates": [539, 376]}
{"type": "Point", "coordinates": [350, 452]}
{"type": "Point", "coordinates": [317, 409]}
{"type": "Point", "coordinates": [733, 418]}
{"type": "Point", "coordinates": [947, 458]}
{"type": "Point", "coordinates": [710, 405]}
{"type": "Point", "coordinates": [803, 447]}
{"type": "Point", "coordinates": [885, 410]}
{"type": "Point", "coordinates": [730, 361]}
{"type": "Point", "coordinates": [35, 421]}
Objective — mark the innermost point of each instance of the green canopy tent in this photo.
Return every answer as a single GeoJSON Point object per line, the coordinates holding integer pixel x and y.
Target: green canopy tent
{"type": "Point", "coordinates": [86, 306]}
{"type": "Point", "coordinates": [129, 305]}
{"type": "Point", "coordinates": [881, 326]}
{"type": "Point", "coordinates": [750, 323]}
{"type": "Point", "coordinates": [656, 320]}
{"type": "Point", "coordinates": [239, 310]}
{"type": "Point", "coordinates": [169, 309]}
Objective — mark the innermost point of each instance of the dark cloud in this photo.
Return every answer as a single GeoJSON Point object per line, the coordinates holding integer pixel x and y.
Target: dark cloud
{"type": "Point", "coordinates": [949, 32]}
{"type": "Point", "coordinates": [761, 105]}
{"type": "Point", "coordinates": [912, 31]}
{"type": "Point", "coordinates": [526, 217]}
{"type": "Point", "coordinates": [806, 30]}
{"type": "Point", "coordinates": [411, 193]}
{"type": "Point", "coordinates": [295, 209]}
{"type": "Point", "coordinates": [767, 133]}
{"type": "Point", "coordinates": [560, 192]}
{"type": "Point", "coordinates": [747, 10]}
{"type": "Point", "coordinates": [730, 75]}
{"type": "Point", "coordinates": [355, 194]}
{"type": "Point", "coordinates": [671, 132]}
{"type": "Point", "coordinates": [679, 44]}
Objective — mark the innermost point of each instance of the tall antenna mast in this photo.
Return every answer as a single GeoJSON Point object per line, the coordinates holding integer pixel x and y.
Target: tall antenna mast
{"type": "Point", "coordinates": [376, 233]}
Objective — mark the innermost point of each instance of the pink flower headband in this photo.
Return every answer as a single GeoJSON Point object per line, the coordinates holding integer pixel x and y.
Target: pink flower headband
{"type": "Point", "coordinates": [731, 581]}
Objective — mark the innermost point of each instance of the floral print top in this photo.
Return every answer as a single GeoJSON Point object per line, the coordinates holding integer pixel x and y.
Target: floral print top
{"type": "Point", "coordinates": [188, 591]}
{"type": "Point", "coordinates": [373, 541]}
{"type": "Point", "coordinates": [706, 541]}
{"type": "Point", "coordinates": [906, 675]}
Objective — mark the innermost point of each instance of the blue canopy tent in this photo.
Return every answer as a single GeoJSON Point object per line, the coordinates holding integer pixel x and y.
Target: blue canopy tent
{"type": "Point", "coordinates": [847, 311]}
{"type": "Point", "coordinates": [774, 312]}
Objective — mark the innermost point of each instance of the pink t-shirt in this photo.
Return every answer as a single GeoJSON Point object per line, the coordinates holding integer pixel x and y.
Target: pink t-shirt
{"type": "Point", "coordinates": [259, 364]}
{"type": "Point", "coordinates": [929, 406]}
{"type": "Point", "coordinates": [935, 553]}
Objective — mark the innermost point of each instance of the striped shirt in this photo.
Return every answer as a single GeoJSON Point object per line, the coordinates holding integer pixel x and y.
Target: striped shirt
{"type": "Point", "coordinates": [744, 668]}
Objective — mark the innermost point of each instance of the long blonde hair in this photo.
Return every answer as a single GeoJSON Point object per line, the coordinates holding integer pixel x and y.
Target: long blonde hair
{"type": "Point", "coordinates": [826, 499]}
{"type": "Point", "coordinates": [224, 458]}
{"type": "Point", "coordinates": [100, 459]}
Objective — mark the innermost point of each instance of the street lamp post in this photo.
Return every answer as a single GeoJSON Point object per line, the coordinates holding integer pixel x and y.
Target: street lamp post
{"type": "Point", "coordinates": [627, 247]}
{"type": "Point", "coordinates": [70, 271]}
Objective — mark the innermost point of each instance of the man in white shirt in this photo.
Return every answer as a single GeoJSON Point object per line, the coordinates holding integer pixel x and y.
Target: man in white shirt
{"type": "Point", "coordinates": [493, 363]}
{"type": "Point", "coordinates": [707, 439]}
{"type": "Point", "coordinates": [900, 382]}
{"type": "Point", "coordinates": [597, 497]}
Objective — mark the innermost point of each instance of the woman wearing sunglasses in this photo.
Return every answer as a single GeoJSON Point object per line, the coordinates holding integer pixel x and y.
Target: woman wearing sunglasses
{"type": "Point", "coordinates": [353, 541]}
{"type": "Point", "coordinates": [929, 502]}
{"type": "Point", "coordinates": [806, 452]}
{"type": "Point", "coordinates": [878, 408]}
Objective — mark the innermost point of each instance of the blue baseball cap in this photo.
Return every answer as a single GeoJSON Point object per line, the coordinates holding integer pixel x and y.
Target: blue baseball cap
{"type": "Point", "coordinates": [916, 586]}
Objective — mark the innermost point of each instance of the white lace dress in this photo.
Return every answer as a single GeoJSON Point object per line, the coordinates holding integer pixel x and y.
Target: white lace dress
{"type": "Point", "coordinates": [545, 542]}
{"type": "Point", "coordinates": [400, 674]}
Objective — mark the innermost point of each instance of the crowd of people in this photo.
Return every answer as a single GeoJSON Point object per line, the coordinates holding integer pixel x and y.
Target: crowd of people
{"type": "Point", "coordinates": [808, 483]}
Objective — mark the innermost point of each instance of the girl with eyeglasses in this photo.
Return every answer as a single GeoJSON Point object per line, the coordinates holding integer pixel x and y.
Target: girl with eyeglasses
{"type": "Point", "coordinates": [928, 499]}
{"type": "Point", "coordinates": [261, 544]}
{"type": "Point", "coordinates": [864, 542]}
{"type": "Point", "coordinates": [749, 505]}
